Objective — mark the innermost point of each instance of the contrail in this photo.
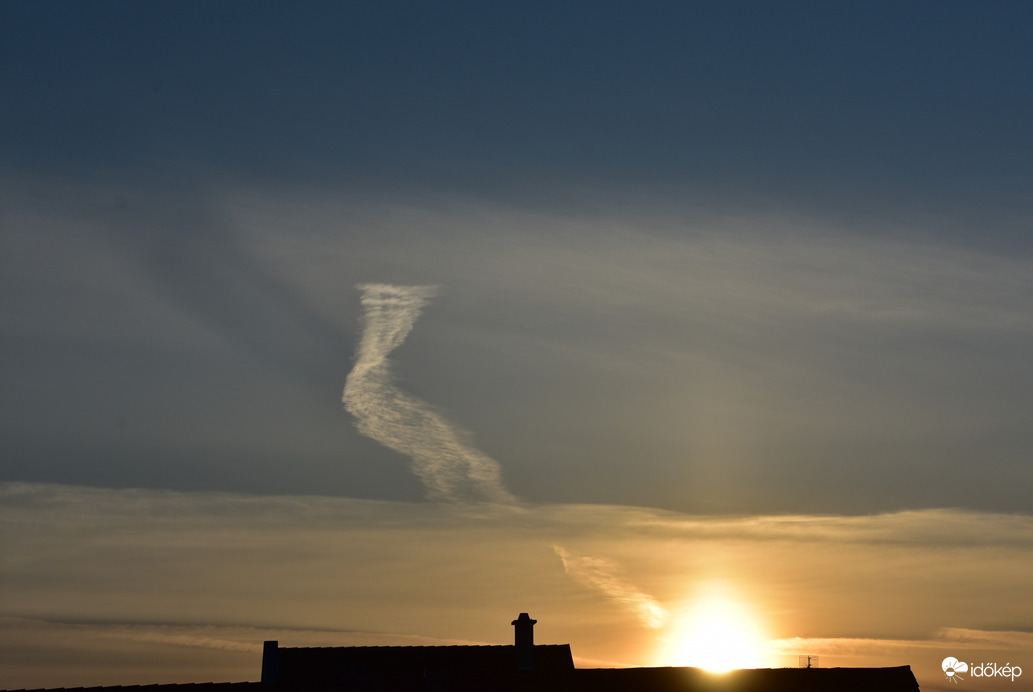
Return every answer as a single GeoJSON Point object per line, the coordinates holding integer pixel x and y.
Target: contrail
{"type": "Point", "coordinates": [449, 468]}
{"type": "Point", "coordinates": [604, 575]}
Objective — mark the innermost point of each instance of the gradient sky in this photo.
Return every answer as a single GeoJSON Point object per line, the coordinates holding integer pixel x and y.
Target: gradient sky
{"type": "Point", "coordinates": [384, 322]}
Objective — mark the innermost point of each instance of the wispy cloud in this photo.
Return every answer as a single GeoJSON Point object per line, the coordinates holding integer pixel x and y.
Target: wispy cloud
{"type": "Point", "coordinates": [924, 528]}
{"type": "Point", "coordinates": [1005, 640]}
{"type": "Point", "coordinates": [946, 639]}
{"type": "Point", "coordinates": [604, 576]}
{"type": "Point", "coordinates": [216, 636]}
{"type": "Point", "coordinates": [450, 468]}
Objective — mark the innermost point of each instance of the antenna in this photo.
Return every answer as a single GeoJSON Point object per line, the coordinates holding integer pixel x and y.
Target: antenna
{"type": "Point", "coordinates": [808, 660]}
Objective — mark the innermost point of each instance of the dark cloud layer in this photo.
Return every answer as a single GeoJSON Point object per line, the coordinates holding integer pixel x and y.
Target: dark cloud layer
{"type": "Point", "coordinates": [859, 105]}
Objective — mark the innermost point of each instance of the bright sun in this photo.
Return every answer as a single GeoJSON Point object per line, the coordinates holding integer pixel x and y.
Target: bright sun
{"type": "Point", "coordinates": [716, 634]}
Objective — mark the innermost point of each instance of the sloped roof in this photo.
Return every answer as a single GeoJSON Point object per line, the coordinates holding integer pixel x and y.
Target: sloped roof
{"type": "Point", "coordinates": [896, 679]}
{"type": "Point", "coordinates": [356, 663]}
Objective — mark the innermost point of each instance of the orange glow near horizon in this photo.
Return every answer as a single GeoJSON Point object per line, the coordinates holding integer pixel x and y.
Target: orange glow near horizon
{"type": "Point", "coordinates": [716, 632]}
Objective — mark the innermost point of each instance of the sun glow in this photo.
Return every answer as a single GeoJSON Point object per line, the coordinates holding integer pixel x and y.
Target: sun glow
{"type": "Point", "coordinates": [716, 633]}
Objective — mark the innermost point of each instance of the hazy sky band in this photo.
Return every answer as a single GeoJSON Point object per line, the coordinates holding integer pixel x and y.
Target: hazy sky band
{"type": "Point", "coordinates": [137, 550]}
{"type": "Point", "coordinates": [729, 356]}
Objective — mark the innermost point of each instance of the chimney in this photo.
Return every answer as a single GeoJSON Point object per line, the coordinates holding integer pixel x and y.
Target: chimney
{"type": "Point", "coordinates": [271, 662]}
{"type": "Point", "coordinates": [524, 627]}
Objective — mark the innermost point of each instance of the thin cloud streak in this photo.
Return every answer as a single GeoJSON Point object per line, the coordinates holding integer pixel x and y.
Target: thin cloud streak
{"type": "Point", "coordinates": [451, 469]}
{"type": "Point", "coordinates": [220, 637]}
{"type": "Point", "coordinates": [604, 576]}
{"type": "Point", "coordinates": [979, 640]}
{"type": "Point", "coordinates": [925, 528]}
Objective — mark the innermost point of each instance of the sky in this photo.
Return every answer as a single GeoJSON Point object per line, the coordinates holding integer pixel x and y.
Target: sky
{"type": "Point", "coordinates": [381, 323]}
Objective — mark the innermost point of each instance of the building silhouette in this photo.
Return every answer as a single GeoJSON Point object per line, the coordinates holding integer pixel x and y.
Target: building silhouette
{"type": "Point", "coordinates": [417, 667]}
{"type": "Point", "coordinates": [522, 666]}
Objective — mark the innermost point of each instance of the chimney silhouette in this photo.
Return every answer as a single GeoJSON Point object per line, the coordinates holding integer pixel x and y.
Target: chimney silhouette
{"type": "Point", "coordinates": [524, 640]}
{"type": "Point", "coordinates": [271, 661]}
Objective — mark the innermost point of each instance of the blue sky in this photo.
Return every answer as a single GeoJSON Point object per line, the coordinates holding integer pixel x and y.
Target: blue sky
{"type": "Point", "coordinates": [867, 104]}
{"type": "Point", "coordinates": [717, 259]}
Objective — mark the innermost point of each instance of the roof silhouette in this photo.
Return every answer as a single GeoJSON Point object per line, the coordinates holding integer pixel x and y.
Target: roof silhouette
{"type": "Point", "coordinates": [512, 668]}
{"type": "Point", "coordinates": [363, 663]}
{"type": "Point", "coordinates": [897, 679]}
